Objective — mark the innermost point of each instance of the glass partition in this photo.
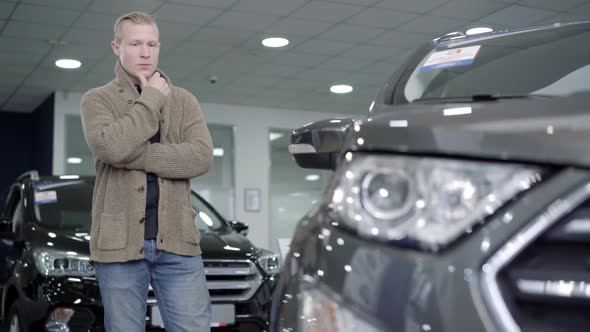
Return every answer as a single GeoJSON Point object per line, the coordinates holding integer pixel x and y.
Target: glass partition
{"type": "Point", "coordinates": [293, 190]}
{"type": "Point", "coordinates": [216, 186]}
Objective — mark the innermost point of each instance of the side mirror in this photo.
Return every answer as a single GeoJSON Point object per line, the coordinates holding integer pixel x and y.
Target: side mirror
{"type": "Point", "coordinates": [318, 144]}
{"type": "Point", "coordinates": [239, 227]}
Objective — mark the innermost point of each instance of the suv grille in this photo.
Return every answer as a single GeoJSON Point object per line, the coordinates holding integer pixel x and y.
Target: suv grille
{"type": "Point", "coordinates": [228, 280]}
{"type": "Point", "coordinates": [547, 286]}
{"type": "Point", "coordinates": [543, 274]}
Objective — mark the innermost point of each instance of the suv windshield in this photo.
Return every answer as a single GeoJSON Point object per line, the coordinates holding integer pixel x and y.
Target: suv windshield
{"type": "Point", "coordinates": [67, 205]}
{"type": "Point", "coordinates": [546, 61]}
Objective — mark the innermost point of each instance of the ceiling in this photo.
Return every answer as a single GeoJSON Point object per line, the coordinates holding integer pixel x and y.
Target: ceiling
{"type": "Point", "coordinates": [359, 42]}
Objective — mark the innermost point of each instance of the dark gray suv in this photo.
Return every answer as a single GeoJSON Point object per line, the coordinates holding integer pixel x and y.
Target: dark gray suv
{"type": "Point", "coordinates": [461, 202]}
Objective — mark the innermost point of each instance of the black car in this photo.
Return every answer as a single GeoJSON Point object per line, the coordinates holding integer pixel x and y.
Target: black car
{"type": "Point", "coordinates": [48, 283]}
{"type": "Point", "coordinates": [461, 202]}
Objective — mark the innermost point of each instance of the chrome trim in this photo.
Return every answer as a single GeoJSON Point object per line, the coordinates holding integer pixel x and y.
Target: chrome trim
{"type": "Point", "coordinates": [249, 286]}
{"type": "Point", "coordinates": [301, 148]}
{"type": "Point", "coordinates": [555, 288]}
{"type": "Point", "coordinates": [497, 311]}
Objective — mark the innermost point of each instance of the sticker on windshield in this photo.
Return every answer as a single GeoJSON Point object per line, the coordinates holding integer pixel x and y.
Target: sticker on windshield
{"type": "Point", "coordinates": [45, 197]}
{"type": "Point", "coordinates": [455, 57]}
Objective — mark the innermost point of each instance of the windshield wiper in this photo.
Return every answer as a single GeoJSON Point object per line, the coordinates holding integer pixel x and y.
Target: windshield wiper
{"type": "Point", "coordinates": [480, 98]}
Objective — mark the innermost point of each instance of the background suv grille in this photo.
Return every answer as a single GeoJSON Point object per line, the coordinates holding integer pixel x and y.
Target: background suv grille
{"type": "Point", "coordinates": [547, 286]}
{"type": "Point", "coordinates": [228, 280]}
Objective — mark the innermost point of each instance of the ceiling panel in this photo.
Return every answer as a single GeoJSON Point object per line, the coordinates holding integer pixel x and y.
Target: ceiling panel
{"type": "Point", "coordinates": [24, 45]}
{"type": "Point", "coordinates": [44, 14]}
{"type": "Point", "coordinates": [413, 6]}
{"type": "Point", "coordinates": [33, 30]}
{"type": "Point", "coordinates": [468, 9]}
{"type": "Point", "coordinates": [120, 7]}
{"type": "Point", "coordinates": [370, 52]}
{"type": "Point", "coordinates": [221, 4]}
{"type": "Point", "coordinates": [222, 36]}
{"type": "Point", "coordinates": [170, 31]}
{"type": "Point", "coordinates": [278, 70]}
{"type": "Point", "coordinates": [344, 63]}
{"type": "Point", "coordinates": [297, 27]}
{"type": "Point", "coordinates": [269, 6]}
{"type": "Point", "coordinates": [561, 5]}
{"type": "Point", "coordinates": [88, 36]}
{"type": "Point", "coordinates": [8, 58]}
{"type": "Point", "coordinates": [323, 47]}
{"type": "Point", "coordinates": [401, 39]}
{"type": "Point", "coordinates": [186, 14]}
{"type": "Point", "coordinates": [561, 18]}
{"type": "Point", "coordinates": [97, 21]}
{"type": "Point", "coordinates": [300, 59]}
{"type": "Point", "coordinates": [583, 10]}
{"type": "Point", "coordinates": [433, 25]}
{"type": "Point", "coordinates": [66, 4]}
{"type": "Point", "coordinates": [6, 9]}
{"type": "Point", "coordinates": [351, 33]}
{"type": "Point", "coordinates": [518, 16]}
{"type": "Point", "coordinates": [247, 21]}
{"type": "Point", "coordinates": [327, 11]}
{"type": "Point", "coordinates": [382, 18]}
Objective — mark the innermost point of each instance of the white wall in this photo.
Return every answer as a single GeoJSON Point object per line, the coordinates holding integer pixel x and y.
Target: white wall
{"type": "Point", "coordinates": [252, 152]}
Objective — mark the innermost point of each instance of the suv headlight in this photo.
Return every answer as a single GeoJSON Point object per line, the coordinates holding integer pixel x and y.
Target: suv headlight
{"type": "Point", "coordinates": [52, 262]}
{"type": "Point", "coordinates": [424, 202]}
{"type": "Point", "coordinates": [269, 261]}
{"type": "Point", "coordinates": [322, 310]}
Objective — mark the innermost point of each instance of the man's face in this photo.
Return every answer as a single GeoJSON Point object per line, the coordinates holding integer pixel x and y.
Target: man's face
{"type": "Point", "coordinates": [138, 49]}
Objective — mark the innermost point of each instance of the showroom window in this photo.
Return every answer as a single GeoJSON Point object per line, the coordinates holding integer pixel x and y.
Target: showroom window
{"type": "Point", "coordinates": [217, 186]}
{"type": "Point", "coordinates": [78, 156]}
{"type": "Point", "coordinates": [293, 190]}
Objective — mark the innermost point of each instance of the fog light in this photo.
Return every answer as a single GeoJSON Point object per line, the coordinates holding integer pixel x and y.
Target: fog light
{"type": "Point", "coordinates": [58, 320]}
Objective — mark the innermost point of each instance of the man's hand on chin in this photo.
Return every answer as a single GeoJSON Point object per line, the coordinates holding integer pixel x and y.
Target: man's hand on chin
{"type": "Point", "coordinates": [155, 81]}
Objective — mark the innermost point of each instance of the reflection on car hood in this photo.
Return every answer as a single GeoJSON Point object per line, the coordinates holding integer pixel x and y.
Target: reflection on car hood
{"type": "Point", "coordinates": [555, 131]}
{"type": "Point", "coordinates": [225, 246]}
{"type": "Point", "coordinates": [214, 245]}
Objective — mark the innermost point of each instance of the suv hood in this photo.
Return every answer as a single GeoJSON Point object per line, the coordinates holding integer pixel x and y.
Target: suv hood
{"type": "Point", "coordinates": [229, 245]}
{"type": "Point", "coordinates": [554, 131]}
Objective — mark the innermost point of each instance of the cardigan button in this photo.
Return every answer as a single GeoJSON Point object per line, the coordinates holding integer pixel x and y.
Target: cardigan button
{"type": "Point", "coordinates": [141, 220]}
{"type": "Point", "coordinates": [129, 101]}
{"type": "Point", "coordinates": [121, 90]}
{"type": "Point", "coordinates": [141, 250]}
{"type": "Point", "coordinates": [140, 189]}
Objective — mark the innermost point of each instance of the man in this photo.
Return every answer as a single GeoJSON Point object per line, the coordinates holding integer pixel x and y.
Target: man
{"type": "Point", "coordinates": [148, 139]}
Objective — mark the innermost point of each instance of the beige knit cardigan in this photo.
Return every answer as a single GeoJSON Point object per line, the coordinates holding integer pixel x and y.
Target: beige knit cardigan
{"type": "Point", "coordinates": [118, 124]}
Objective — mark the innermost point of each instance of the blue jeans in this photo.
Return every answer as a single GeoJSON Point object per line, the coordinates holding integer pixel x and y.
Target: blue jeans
{"type": "Point", "coordinates": [178, 282]}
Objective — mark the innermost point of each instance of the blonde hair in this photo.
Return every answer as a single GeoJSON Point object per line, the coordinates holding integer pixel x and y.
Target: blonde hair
{"type": "Point", "coordinates": [134, 17]}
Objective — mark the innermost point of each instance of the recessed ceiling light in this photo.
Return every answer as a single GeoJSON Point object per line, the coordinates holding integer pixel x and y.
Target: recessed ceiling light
{"type": "Point", "coordinates": [312, 177]}
{"type": "Point", "coordinates": [74, 160]}
{"type": "Point", "coordinates": [478, 30]}
{"type": "Point", "coordinates": [275, 42]}
{"type": "Point", "coordinates": [69, 177]}
{"type": "Point", "coordinates": [218, 152]}
{"type": "Point", "coordinates": [273, 136]}
{"type": "Point", "coordinates": [68, 63]}
{"type": "Point", "coordinates": [341, 88]}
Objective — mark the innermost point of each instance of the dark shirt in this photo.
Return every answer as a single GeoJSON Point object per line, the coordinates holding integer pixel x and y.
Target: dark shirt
{"type": "Point", "coordinates": [152, 196]}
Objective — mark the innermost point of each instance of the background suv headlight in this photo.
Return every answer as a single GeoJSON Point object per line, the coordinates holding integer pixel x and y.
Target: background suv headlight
{"type": "Point", "coordinates": [269, 262]}
{"type": "Point", "coordinates": [53, 262]}
{"type": "Point", "coordinates": [425, 202]}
